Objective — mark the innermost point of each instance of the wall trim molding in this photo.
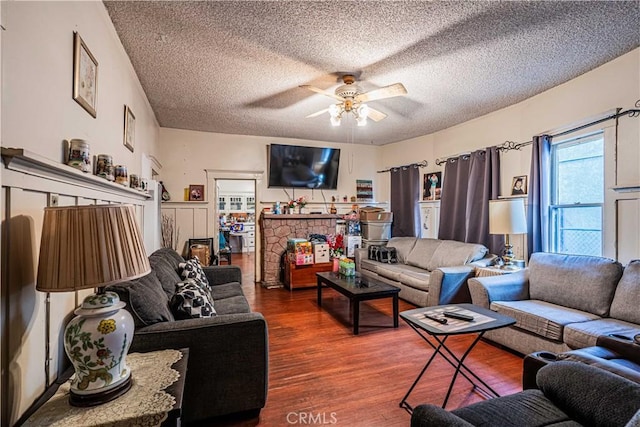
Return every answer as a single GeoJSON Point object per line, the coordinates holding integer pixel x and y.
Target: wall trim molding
{"type": "Point", "coordinates": [29, 163]}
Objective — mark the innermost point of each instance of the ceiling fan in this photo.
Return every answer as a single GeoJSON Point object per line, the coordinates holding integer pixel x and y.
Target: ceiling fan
{"type": "Point", "coordinates": [353, 100]}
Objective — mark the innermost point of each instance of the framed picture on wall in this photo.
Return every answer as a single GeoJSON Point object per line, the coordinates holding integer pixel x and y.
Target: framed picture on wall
{"type": "Point", "coordinates": [196, 193]}
{"type": "Point", "coordinates": [432, 185]}
{"type": "Point", "coordinates": [129, 128]}
{"type": "Point", "coordinates": [85, 75]}
{"type": "Point", "coordinates": [519, 185]}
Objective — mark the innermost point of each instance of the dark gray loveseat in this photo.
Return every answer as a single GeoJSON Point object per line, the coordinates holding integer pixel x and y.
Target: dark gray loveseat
{"type": "Point", "coordinates": [570, 394]}
{"type": "Point", "coordinates": [228, 353]}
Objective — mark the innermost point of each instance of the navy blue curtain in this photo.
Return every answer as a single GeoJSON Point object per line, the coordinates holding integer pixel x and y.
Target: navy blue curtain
{"type": "Point", "coordinates": [405, 194]}
{"type": "Point", "coordinates": [539, 197]}
{"type": "Point", "coordinates": [469, 183]}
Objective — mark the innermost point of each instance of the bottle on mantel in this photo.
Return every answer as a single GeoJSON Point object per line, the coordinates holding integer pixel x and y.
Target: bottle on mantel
{"type": "Point", "coordinates": [332, 209]}
{"type": "Point", "coordinates": [164, 194]}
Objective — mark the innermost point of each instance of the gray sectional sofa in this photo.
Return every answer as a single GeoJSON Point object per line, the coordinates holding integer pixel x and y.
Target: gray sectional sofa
{"type": "Point", "coordinates": [228, 353]}
{"type": "Point", "coordinates": [562, 302]}
{"type": "Point", "coordinates": [429, 271]}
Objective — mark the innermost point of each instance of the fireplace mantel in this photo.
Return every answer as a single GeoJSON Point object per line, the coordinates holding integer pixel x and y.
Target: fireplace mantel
{"type": "Point", "coordinates": [276, 230]}
{"type": "Point", "coordinates": [300, 216]}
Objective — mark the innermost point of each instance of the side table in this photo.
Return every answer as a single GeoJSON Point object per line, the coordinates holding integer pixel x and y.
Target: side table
{"type": "Point", "coordinates": [155, 397]}
{"type": "Point", "coordinates": [483, 320]}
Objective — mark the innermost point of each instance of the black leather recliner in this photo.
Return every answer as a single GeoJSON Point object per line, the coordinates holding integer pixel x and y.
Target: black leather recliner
{"type": "Point", "coordinates": [568, 394]}
{"type": "Point", "coordinates": [615, 353]}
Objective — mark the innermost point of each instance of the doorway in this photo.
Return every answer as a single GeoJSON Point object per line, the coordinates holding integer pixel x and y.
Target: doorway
{"type": "Point", "coordinates": [236, 213]}
{"type": "Point", "coordinates": [246, 186]}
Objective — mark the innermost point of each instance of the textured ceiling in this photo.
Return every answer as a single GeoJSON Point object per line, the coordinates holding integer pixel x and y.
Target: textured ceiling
{"type": "Point", "coordinates": [235, 67]}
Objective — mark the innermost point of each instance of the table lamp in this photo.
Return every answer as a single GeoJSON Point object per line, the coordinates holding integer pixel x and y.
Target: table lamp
{"type": "Point", "coordinates": [507, 216]}
{"type": "Point", "coordinates": [84, 247]}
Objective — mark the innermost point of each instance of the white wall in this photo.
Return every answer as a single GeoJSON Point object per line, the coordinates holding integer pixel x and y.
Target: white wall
{"type": "Point", "coordinates": [231, 186]}
{"type": "Point", "coordinates": [614, 84]}
{"type": "Point", "coordinates": [38, 113]}
{"type": "Point", "coordinates": [186, 155]}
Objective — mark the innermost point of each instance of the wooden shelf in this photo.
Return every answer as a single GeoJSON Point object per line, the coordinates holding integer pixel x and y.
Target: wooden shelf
{"type": "Point", "coordinates": [329, 202]}
{"type": "Point", "coordinates": [303, 276]}
{"type": "Point", "coordinates": [24, 161]}
{"type": "Point", "coordinates": [299, 216]}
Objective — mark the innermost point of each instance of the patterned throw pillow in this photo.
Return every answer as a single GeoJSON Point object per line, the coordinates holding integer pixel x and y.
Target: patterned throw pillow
{"type": "Point", "coordinates": [191, 301]}
{"type": "Point", "coordinates": [192, 270]}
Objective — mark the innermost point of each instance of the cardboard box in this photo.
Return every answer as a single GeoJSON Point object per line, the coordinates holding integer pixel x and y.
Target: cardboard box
{"type": "Point", "coordinates": [293, 244]}
{"type": "Point", "coordinates": [321, 252]}
{"type": "Point", "coordinates": [304, 259]}
{"type": "Point", "coordinates": [351, 243]}
{"type": "Point", "coordinates": [376, 216]}
{"type": "Point", "coordinates": [300, 251]}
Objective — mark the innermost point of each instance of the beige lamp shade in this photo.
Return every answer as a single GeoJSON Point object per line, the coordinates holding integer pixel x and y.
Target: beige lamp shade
{"type": "Point", "coordinates": [91, 246]}
{"type": "Point", "coordinates": [507, 216]}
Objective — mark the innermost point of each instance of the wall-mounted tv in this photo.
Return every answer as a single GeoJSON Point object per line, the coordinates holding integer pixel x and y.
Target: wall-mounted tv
{"type": "Point", "coordinates": [303, 167]}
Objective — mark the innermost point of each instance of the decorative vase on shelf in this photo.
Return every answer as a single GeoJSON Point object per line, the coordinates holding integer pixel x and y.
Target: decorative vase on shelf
{"type": "Point", "coordinates": [301, 209]}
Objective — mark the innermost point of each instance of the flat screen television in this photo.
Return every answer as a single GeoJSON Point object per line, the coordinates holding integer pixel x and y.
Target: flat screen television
{"type": "Point", "coordinates": [303, 167]}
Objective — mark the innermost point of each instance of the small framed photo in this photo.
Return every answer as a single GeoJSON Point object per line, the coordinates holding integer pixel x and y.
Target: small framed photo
{"type": "Point", "coordinates": [129, 128]}
{"type": "Point", "coordinates": [519, 185]}
{"type": "Point", "coordinates": [432, 186]}
{"type": "Point", "coordinates": [85, 75]}
{"type": "Point", "coordinates": [196, 193]}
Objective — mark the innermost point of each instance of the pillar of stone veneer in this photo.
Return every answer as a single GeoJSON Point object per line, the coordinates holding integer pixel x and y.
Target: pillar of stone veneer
{"type": "Point", "coordinates": [275, 230]}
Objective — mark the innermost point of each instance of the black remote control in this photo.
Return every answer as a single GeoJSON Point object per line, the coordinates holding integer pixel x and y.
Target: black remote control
{"type": "Point", "coordinates": [440, 320]}
{"type": "Point", "coordinates": [460, 316]}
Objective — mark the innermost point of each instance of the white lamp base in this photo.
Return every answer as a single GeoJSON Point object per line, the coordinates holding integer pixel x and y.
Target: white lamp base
{"type": "Point", "coordinates": [97, 342]}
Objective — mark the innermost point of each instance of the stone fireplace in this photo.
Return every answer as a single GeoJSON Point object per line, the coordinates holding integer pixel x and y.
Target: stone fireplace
{"type": "Point", "coordinates": [275, 230]}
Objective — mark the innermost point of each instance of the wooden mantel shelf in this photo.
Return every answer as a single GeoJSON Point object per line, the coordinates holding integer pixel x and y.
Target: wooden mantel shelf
{"type": "Point", "coordinates": [27, 162]}
{"type": "Point", "coordinates": [300, 216]}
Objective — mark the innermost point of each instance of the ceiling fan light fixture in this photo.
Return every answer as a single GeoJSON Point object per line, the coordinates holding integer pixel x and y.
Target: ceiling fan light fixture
{"type": "Point", "coordinates": [335, 111]}
{"type": "Point", "coordinates": [352, 100]}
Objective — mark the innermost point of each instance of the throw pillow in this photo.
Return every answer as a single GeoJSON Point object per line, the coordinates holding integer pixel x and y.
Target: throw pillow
{"type": "Point", "coordinates": [191, 269]}
{"type": "Point", "coordinates": [191, 301]}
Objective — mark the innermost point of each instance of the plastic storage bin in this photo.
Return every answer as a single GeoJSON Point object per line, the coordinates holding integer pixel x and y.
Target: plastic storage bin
{"type": "Point", "coordinates": [376, 230]}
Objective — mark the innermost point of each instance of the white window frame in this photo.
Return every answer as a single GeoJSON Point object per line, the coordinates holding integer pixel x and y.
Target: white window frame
{"type": "Point", "coordinates": [554, 206]}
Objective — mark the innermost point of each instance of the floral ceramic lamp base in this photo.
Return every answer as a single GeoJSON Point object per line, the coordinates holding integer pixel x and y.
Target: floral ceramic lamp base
{"type": "Point", "coordinates": [97, 342]}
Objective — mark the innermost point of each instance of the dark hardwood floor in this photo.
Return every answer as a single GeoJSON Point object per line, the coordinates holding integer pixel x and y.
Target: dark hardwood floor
{"type": "Point", "coordinates": [320, 373]}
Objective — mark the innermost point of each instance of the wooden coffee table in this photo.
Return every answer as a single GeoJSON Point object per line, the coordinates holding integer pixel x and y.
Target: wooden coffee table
{"type": "Point", "coordinates": [358, 289]}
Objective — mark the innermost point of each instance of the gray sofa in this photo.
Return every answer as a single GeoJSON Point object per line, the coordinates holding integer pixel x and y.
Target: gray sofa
{"type": "Point", "coordinates": [563, 399]}
{"type": "Point", "coordinates": [228, 353]}
{"type": "Point", "coordinates": [562, 302]}
{"type": "Point", "coordinates": [429, 271]}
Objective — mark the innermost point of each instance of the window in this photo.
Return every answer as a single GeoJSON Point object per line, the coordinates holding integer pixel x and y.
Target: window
{"type": "Point", "coordinates": [235, 203]}
{"type": "Point", "coordinates": [251, 203]}
{"type": "Point", "coordinates": [577, 195]}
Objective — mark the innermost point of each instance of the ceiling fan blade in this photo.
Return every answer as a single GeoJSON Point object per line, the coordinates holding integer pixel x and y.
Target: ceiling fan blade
{"type": "Point", "coordinates": [396, 89]}
{"type": "Point", "coordinates": [316, 114]}
{"type": "Point", "coordinates": [375, 115]}
{"type": "Point", "coordinates": [322, 92]}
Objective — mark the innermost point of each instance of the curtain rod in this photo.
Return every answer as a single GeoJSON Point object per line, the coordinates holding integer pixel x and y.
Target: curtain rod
{"type": "Point", "coordinates": [422, 164]}
{"type": "Point", "coordinates": [511, 145]}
